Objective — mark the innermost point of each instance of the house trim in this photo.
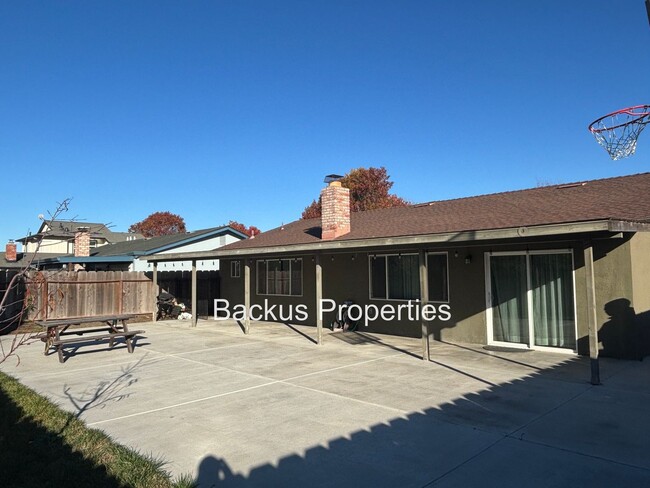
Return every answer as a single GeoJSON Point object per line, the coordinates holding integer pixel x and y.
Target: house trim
{"type": "Point", "coordinates": [592, 226]}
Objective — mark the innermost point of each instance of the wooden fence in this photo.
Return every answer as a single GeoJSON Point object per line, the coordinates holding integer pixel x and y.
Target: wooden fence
{"type": "Point", "coordinates": [10, 314]}
{"type": "Point", "coordinates": [63, 294]}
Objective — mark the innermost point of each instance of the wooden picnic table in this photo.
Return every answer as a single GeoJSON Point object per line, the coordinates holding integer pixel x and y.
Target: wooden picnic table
{"type": "Point", "coordinates": [55, 331]}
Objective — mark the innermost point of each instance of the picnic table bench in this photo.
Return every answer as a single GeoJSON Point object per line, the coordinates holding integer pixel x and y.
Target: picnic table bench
{"type": "Point", "coordinates": [56, 332]}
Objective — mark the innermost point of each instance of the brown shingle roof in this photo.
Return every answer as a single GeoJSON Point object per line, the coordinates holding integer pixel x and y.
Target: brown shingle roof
{"type": "Point", "coordinates": [621, 198]}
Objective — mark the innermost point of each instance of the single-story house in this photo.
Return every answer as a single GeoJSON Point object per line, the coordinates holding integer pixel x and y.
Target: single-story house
{"type": "Point", "coordinates": [125, 256]}
{"type": "Point", "coordinates": [559, 268]}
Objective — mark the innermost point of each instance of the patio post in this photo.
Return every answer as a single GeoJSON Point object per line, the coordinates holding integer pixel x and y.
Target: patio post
{"type": "Point", "coordinates": [156, 291]}
{"type": "Point", "coordinates": [319, 300]}
{"type": "Point", "coordinates": [591, 312]}
{"type": "Point", "coordinates": [247, 295]}
{"type": "Point", "coordinates": [195, 311]}
{"type": "Point", "coordinates": [424, 299]}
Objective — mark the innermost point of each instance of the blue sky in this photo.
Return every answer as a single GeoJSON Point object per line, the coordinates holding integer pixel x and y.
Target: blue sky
{"type": "Point", "coordinates": [223, 110]}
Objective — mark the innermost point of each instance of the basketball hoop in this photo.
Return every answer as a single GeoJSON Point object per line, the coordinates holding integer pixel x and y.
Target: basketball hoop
{"type": "Point", "coordinates": [617, 132]}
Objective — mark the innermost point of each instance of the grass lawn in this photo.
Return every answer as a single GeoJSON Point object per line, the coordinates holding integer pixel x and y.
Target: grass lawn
{"type": "Point", "coordinates": [41, 445]}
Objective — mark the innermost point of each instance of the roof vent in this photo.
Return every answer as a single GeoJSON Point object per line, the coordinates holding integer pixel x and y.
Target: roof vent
{"type": "Point", "coordinates": [570, 185]}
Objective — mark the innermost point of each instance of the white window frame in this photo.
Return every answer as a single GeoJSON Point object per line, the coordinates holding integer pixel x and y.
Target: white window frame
{"type": "Point", "coordinates": [235, 269]}
{"type": "Point", "coordinates": [265, 263]}
{"type": "Point", "coordinates": [529, 301]}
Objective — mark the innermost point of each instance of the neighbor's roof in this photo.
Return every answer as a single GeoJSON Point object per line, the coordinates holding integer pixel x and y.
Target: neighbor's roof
{"type": "Point", "coordinates": [67, 228]}
{"type": "Point", "coordinates": [125, 251]}
{"type": "Point", "coordinates": [622, 198]}
{"type": "Point", "coordinates": [161, 243]}
{"type": "Point", "coordinates": [22, 260]}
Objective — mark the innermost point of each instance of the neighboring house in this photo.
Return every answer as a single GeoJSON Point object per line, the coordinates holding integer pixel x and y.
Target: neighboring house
{"type": "Point", "coordinates": [124, 256]}
{"type": "Point", "coordinates": [57, 237]}
{"type": "Point", "coordinates": [529, 269]}
{"type": "Point", "coordinates": [12, 259]}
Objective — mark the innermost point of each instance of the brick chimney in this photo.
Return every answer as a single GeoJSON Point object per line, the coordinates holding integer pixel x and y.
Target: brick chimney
{"type": "Point", "coordinates": [10, 251]}
{"type": "Point", "coordinates": [82, 241]}
{"type": "Point", "coordinates": [335, 215]}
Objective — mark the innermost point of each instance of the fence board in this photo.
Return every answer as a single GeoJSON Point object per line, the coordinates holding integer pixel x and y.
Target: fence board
{"type": "Point", "coordinates": [59, 294]}
{"type": "Point", "coordinates": [63, 294]}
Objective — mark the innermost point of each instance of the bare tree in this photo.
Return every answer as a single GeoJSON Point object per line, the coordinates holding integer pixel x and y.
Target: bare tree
{"type": "Point", "coordinates": [14, 307]}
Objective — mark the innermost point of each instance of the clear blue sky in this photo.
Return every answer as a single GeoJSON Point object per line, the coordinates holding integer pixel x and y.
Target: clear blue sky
{"type": "Point", "coordinates": [222, 110]}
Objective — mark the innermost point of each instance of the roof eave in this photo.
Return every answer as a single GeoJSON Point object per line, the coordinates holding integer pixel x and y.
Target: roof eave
{"type": "Point", "coordinates": [606, 225]}
{"type": "Point", "coordinates": [95, 259]}
{"type": "Point", "coordinates": [197, 238]}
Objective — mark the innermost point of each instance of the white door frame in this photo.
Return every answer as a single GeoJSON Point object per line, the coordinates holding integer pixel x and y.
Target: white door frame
{"type": "Point", "coordinates": [529, 300]}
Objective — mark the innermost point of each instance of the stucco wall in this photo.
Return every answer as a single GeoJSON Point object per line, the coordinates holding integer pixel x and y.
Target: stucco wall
{"type": "Point", "coordinates": [621, 268]}
{"type": "Point", "coordinates": [613, 286]}
{"type": "Point", "coordinates": [232, 289]}
{"type": "Point", "coordinates": [640, 264]}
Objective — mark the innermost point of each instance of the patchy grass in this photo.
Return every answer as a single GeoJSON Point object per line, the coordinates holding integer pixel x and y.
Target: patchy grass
{"type": "Point", "coordinates": [42, 445]}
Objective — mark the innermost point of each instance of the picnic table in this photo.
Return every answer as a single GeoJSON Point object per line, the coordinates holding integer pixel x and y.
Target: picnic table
{"type": "Point", "coordinates": [55, 333]}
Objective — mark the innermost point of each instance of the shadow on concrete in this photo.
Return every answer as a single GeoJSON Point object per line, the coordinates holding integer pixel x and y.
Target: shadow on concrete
{"type": "Point", "coordinates": [241, 326]}
{"type": "Point", "coordinates": [72, 349]}
{"type": "Point", "coordinates": [298, 331]}
{"type": "Point", "coordinates": [362, 338]}
{"type": "Point", "coordinates": [493, 355]}
{"type": "Point", "coordinates": [509, 433]}
{"type": "Point", "coordinates": [104, 392]}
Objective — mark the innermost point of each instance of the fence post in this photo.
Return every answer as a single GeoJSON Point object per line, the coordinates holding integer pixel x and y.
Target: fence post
{"type": "Point", "coordinates": [120, 298]}
{"type": "Point", "coordinates": [44, 297]}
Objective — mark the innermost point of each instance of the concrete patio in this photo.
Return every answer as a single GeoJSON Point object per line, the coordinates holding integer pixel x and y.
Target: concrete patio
{"type": "Point", "coordinates": [274, 409]}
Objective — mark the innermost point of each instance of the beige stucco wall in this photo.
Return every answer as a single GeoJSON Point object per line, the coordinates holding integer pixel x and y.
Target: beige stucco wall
{"type": "Point", "coordinates": [47, 246]}
{"type": "Point", "coordinates": [640, 264]}
{"type": "Point", "coordinates": [58, 246]}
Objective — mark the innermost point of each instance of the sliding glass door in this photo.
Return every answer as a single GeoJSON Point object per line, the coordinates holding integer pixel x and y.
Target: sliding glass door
{"type": "Point", "coordinates": [531, 299]}
{"type": "Point", "coordinates": [509, 308]}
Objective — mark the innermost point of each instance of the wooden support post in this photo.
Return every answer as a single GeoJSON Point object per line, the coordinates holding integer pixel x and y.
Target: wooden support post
{"type": "Point", "coordinates": [195, 308]}
{"type": "Point", "coordinates": [319, 300]}
{"type": "Point", "coordinates": [247, 295]}
{"type": "Point", "coordinates": [424, 299]}
{"type": "Point", "coordinates": [591, 313]}
{"type": "Point", "coordinates": [156, 291]}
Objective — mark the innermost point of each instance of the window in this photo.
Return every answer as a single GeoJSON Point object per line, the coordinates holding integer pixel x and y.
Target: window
{"type": "Point", "coordinates": [395, 277]}
{"type": "Point", "coordinates": [279, 277]}
{"type": "Point", "coordinates": [438, 277]}
{"type": "Point", "coordinates": [235, 269]}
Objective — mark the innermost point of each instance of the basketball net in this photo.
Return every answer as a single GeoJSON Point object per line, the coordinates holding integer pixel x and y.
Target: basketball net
{"type": "Point", "coordinates": [618, 132]}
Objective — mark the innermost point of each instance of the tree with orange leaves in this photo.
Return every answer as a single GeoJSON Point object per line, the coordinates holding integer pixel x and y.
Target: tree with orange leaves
{"type": "Point", "coordinates": [369, 190]}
